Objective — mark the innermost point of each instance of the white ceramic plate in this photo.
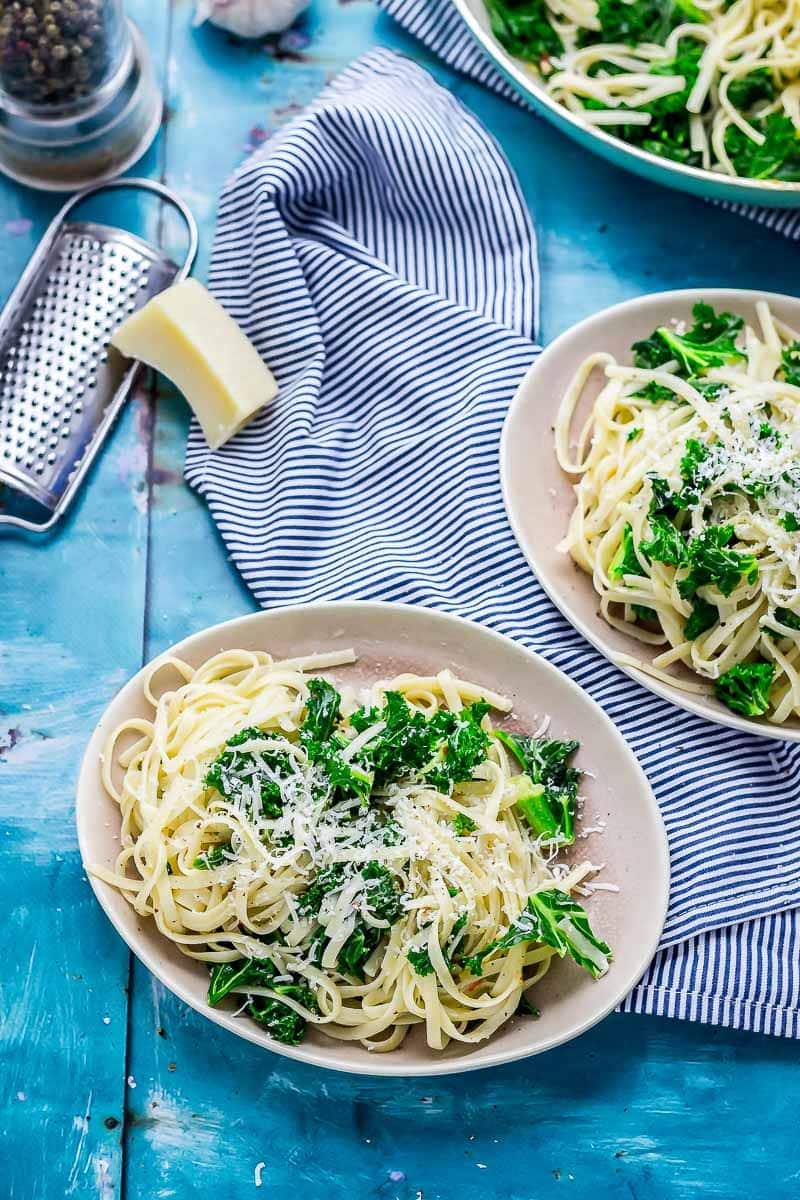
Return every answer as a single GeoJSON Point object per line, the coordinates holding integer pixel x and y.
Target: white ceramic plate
{"type": "Point", "coordinates": [390, 638]}
{"type": "Point", "coordinates": [539, 497]}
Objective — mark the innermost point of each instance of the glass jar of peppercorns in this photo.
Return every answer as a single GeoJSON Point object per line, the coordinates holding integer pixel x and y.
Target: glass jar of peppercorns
{"type": "Point", "coordinates": [78, 98]}
{"type": "Point", "coordinates": [59, 53]}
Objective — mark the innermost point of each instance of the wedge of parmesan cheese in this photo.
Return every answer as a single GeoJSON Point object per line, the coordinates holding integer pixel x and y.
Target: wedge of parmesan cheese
{"type": "Point", "coordinates": [186, 335]}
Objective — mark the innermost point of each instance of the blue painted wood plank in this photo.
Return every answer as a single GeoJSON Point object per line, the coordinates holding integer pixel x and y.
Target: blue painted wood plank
{"type": "Point", "coordinates": [73, 616]}
{"type": "Point", "coordinates": [640, 1107]}
{"type": "Point", "coordinates": [637, 1108]}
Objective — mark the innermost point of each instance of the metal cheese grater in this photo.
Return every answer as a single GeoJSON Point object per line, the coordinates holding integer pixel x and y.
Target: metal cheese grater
{"type": "Point", "coordinates": [61, 385]}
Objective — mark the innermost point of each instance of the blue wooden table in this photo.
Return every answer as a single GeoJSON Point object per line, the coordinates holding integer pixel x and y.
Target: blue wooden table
{"type": "Point", "coordinates": [112, 1088]}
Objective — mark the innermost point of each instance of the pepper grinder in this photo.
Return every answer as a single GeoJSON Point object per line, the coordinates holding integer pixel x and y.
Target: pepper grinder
{"type": "Point", "coordinates": [79, 102]}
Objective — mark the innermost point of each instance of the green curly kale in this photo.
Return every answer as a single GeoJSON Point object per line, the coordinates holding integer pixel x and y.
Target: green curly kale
{"type": "Point", "coordinates": [641, 20]}
{"type": "Point", "coordinates": [665, 544]}
{"type": "Point", "coordinates": [790, 362]}
{"type": "Point", "coordinates": [239, 777]}
{"type": "Point", "coordinates": [328, 879]}
{"type": "Point", "coordinates": [786, 617]}
{"type": "Point", "coordinates": [555, 919]}
{"type": "Point", "coordinates": [710, 562]}
{"type": "Point", "coordinates": [281, 1021]}
{"type": "Point", "coordinates": [225, 977]}
{"type": "Point", "coordinates": [550, 796]}
{"type": "Point", "coordinates": [463, 824]}
{"type": "Point", "coordinates": [625, 561]}
{"type": "Point", "coordinates": [704, 615]}
{"type": "Point", "coordinates": [524, 28]}
{"type": "Point", "coordinates": [383, 900]}
{"type": "Point", "coordinates": [323, 746]}
{"type": "Point", "coordinates": [754, 88]}
{"type": "Point", "coordinates": [444, 749]}
{"type": "Point", "coordinates": [419, 956]}
{"type": "Point", "coordinates": [215, 856]}
{"type": "Point", "coordinates": [745, 688]}
{"type": "Point", "coordinates": [357, 949]}
{"type": "Point", "coordinates": [710, 342]}
{"type": "Point", "coordinates": [420, 960]}
{"type": "Point", "coordinates": [777, 158]}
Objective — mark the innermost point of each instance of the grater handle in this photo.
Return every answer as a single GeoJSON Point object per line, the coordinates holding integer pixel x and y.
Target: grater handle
{"type": "Point", "coordinates": [134, 183]}
{"type": "Point", "coordinates": [145, 185]}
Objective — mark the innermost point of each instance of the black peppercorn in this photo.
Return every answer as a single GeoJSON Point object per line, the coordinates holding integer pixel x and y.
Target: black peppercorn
{"type": "Point", "coordinates": [57, 52]}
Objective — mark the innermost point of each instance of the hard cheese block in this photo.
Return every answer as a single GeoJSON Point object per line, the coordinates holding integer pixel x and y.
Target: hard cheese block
{"type": "Point", "coordinates": [187, 336]}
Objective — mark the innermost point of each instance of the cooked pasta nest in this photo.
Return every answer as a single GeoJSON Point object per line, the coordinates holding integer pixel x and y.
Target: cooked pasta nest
{"type": "Point", "coordinates": [702, 82]}
{"type": "Point", "coordinates": [688, 504]}
{"type": "Point", "coordinates": [361, 863]}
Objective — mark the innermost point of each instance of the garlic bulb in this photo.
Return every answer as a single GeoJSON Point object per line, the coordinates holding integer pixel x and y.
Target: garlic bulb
{"type": "Point", "coordinates": [249, 18]}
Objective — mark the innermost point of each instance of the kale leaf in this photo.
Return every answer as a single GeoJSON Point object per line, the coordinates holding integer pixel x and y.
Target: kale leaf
{"type": "Point", "coordinates": [655, 392]}
{"type": "Point", "coordinates": [625, 561]}
{"type": "Point", "coordinates": [322, 712]}
{"type": "Point", "coordinates": [444, 749]}
{"type": "Point", "coordinates": [524, 29]}
{"type": "Point", "coordinates": [555, 919]}
{"type": "Point", "coordinates": [666, 544]}
{"type": "Point", "coordinates": [549, 803]}
{"type": "Point", "coordinates": [640, 20]}
{"type": "Point", "coordinates": [280, 1021]}
{"type": "Point", "coordinates": [328, 879]}
{"type": "Point", "coordinates": [710, 342]}
{"type": "Point", "coordinates": [215, 856]}
{"type": "Point", "coordinates": [704, 615]}
{"type": "Point", "coordinates": [745, 688]}
{"type": "Point", "coordinates": [463, 749]}
{"type": "Point", "coordinates": [420, 960]}
{"type": "Point", "coordinates": [463, 824]}
{"type": "Point", "coordinates": [419, 956]}
{"type": "Point", "coordinates": [786, 617]}
{"type": "Point", "coordinates": [710, 562]}
{"type": "Point", "coordinates": [324, 746]}
{"type": "Point", "coordinates": [225, 977]}
{"type": "Point", "coordinates": [357, 949]}
{"type": "Point", "coordinates": [239, 777]}
{"type": "Point", "coordinates": [777, 158]}
{"type": "Point", "coordinates": [790, 361]}
{"type": "Point", "coordinates": [694, 477]}
{"type": "Point", "coordinates": [750, 89]}
{"type": "Point", "coordinates": [383, 900]}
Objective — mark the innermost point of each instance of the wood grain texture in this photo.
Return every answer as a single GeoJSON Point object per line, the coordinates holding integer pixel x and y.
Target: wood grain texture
{"type": "Point", "coordinates": [639, 1108]}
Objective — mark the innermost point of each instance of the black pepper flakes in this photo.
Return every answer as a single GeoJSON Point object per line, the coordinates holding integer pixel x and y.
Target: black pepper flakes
{"type": "Point", "coordinates": [57, 52]}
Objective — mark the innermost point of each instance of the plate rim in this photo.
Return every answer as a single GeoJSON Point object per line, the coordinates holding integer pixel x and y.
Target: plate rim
{"type": "Point", "coordinates": [771, 193]}
{"type": "Point", "coordinates": [684, 700]}
{"type": "Point", "coordinates": [336, 1058]}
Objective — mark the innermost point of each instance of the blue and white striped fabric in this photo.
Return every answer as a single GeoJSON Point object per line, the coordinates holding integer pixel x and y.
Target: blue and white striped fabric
{"type": "Point", "coordinates": [438, 24]}
{"type": "Point", "coordinates": [379, 254]}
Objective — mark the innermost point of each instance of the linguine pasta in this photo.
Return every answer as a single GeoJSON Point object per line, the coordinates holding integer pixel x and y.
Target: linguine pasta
{"type": "Point", "coordinates": [362, 864]}
{"type": "Point", "coordinates": [688, 504]}
{"type": "Point", "coordinates": [708, 83]}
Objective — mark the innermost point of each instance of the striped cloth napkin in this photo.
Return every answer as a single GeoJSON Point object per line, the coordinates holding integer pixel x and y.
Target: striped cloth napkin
{"type": "Point", "coordinates": [438, 24]}
{"type": "Point", "coordinates": [379, 253]}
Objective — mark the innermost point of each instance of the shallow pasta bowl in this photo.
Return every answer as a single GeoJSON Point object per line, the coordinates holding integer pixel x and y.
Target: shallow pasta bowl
{"type": "Point", "coordinates": [390, 638]}
{"type": "Point", "coordinates": [699, 182]}
{"type": "Point", "coordinates": [539, 497]}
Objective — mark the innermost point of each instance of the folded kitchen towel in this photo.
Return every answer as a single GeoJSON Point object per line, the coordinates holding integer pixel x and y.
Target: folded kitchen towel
{"type": "Point", "coordinates": [438, 24]}
{"type": "Point", "coordinates": [380, 255]}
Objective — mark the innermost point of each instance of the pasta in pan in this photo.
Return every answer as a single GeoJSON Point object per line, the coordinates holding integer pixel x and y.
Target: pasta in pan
{"type": "Point", "coordinates": [688, 504]}
{"type": "Point", "coordinates": [359, 863]}
{"type": "Point", "coordinates": [707, 83]}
